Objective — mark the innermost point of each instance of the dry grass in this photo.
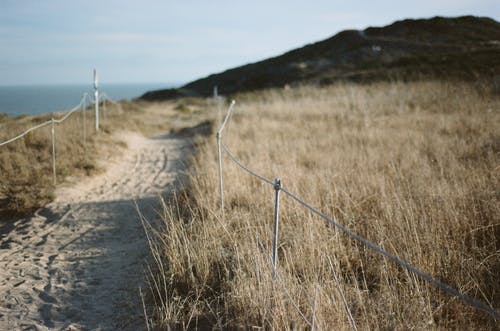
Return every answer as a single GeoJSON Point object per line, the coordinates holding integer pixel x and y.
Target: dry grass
{"type": "Point", "coordinates": [26, 180]}
{"type": "Point", "coordinates": [26, 164]}
{"type": "Point", "coordinates": [412, 167]}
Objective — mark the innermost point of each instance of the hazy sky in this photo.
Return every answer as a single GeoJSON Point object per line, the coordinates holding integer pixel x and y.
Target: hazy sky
{"type": "Point", "coordinates": [60, 41]}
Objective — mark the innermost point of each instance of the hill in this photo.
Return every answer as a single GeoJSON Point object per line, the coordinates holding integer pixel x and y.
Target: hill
{"type": "Point", "coordinates": [465, 47]}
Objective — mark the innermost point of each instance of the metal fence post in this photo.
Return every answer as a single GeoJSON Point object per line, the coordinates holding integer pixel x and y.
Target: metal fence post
{"type": "Point", "coordinates": [219, 152]}
{"type": "Point", "coordinates": [84, 121]}
{"type": "Point", "coordinates": [96, 100]}
{"type": "Point", "coordinates": [219, 109]}
{"type": "Point", "coordinates": [277, 189]}
{"type": "Point", "coordinates": [53, 151]}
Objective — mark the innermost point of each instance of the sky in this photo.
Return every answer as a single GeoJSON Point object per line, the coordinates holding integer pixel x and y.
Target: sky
{"type": "Point", "coordinates": [151, 41]}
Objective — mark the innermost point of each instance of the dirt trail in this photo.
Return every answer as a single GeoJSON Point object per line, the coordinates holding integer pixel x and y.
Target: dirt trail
{"type": "Point", "coordinates": [78, 263]}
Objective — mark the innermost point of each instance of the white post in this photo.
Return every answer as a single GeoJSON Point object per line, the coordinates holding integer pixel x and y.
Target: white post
{"type": "Point", "coordinates": [277, 189]}
{"type": "Point", "coordinates": [221, 189]}
{"type": "Point", "coordinates": [53, 151]}
{"type": "Point", "coordinates": [219, 154]}
{"type": "Point", "coordinates": [84, 121]}
{"type": "Point", "coordinates": [219, 109]}
{"type": "Point", "coordinates": [96, 100]}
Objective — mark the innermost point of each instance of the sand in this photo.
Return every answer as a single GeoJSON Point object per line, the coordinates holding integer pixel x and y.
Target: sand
{"type": "Point", "coordinates": [78, 263]}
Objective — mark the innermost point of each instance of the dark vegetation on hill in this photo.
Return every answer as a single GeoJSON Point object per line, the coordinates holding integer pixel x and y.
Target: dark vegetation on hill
{"type": "Point", "coordinates": [452, 48]}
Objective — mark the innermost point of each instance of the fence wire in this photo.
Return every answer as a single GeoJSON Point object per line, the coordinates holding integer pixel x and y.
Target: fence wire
{"type": "Point", "coordinates": [82, 105]}
{"type": "Point", "coordinates": [105, 97]}
{"type": "Point", "coordinates": [242, 166]}
{"type": "Point", "coordinates": [71, 111]}
{"type": "Point", "coordinates": [83, 102]}
{"type": "Point", "coordinates": [41, 125]}
{"type": "Point", "coordinates": [437, 283]}
{"type": "Point", "coordinates": [406, 265]}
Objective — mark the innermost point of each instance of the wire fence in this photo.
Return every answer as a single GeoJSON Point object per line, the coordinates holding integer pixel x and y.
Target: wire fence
{"type": "Point", "coordinates": [277, 186]}
{"type": "Point", "coordinates": [85, 102]}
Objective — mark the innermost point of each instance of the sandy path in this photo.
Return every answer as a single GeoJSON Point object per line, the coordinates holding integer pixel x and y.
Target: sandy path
{"type": "Point", "coordinates": [78, 263]}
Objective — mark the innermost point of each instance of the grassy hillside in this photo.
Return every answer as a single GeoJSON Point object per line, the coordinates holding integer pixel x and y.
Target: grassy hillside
{"type": "Point", "coordinates": [452, 48]}
{"type": "Point", "coordinates": [409, 166]}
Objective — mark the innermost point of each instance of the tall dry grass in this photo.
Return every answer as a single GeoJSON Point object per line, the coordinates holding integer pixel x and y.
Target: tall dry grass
{"type": "Point", "coordinates": [412, 167]}
{"type": "Point", "coordinates": [26, 180]}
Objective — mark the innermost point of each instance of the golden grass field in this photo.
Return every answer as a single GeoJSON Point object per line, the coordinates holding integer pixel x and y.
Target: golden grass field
{"type": "Point", "coordinates": [413, 167]}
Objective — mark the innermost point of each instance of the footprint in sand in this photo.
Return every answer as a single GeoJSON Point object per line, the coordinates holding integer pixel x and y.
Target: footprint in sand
{"type": "Point", "coordinates": [78, 263]}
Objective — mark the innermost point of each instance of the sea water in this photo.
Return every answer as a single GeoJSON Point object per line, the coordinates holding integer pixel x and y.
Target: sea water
{"type": "Point", "coordinates": [32, 100]}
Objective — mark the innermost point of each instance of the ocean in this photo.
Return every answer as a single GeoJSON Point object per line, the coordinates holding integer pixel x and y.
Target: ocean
{"type": "Point", "coordinates": [32, 100]}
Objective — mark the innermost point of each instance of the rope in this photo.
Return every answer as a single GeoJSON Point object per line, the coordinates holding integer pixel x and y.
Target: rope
{"type": "Point", "coordinates": [87, 96]}
{"type": "Point", "coordinates": [71, 111]}
{"type": "Point", "coordinates": [437, 283]}
{"type": "Point", "coordinates": [262, 178]}
{"type": "Point", "coordinates": [25, 133]}
{"type": "Point", "coordinates": [45, 123]}
{"type": "Point", "coordinates": [107, 98]}
{"type": "Point", "coordinates": [104, 96]}
{"type": "Point", "coordinates": [231, 106]}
